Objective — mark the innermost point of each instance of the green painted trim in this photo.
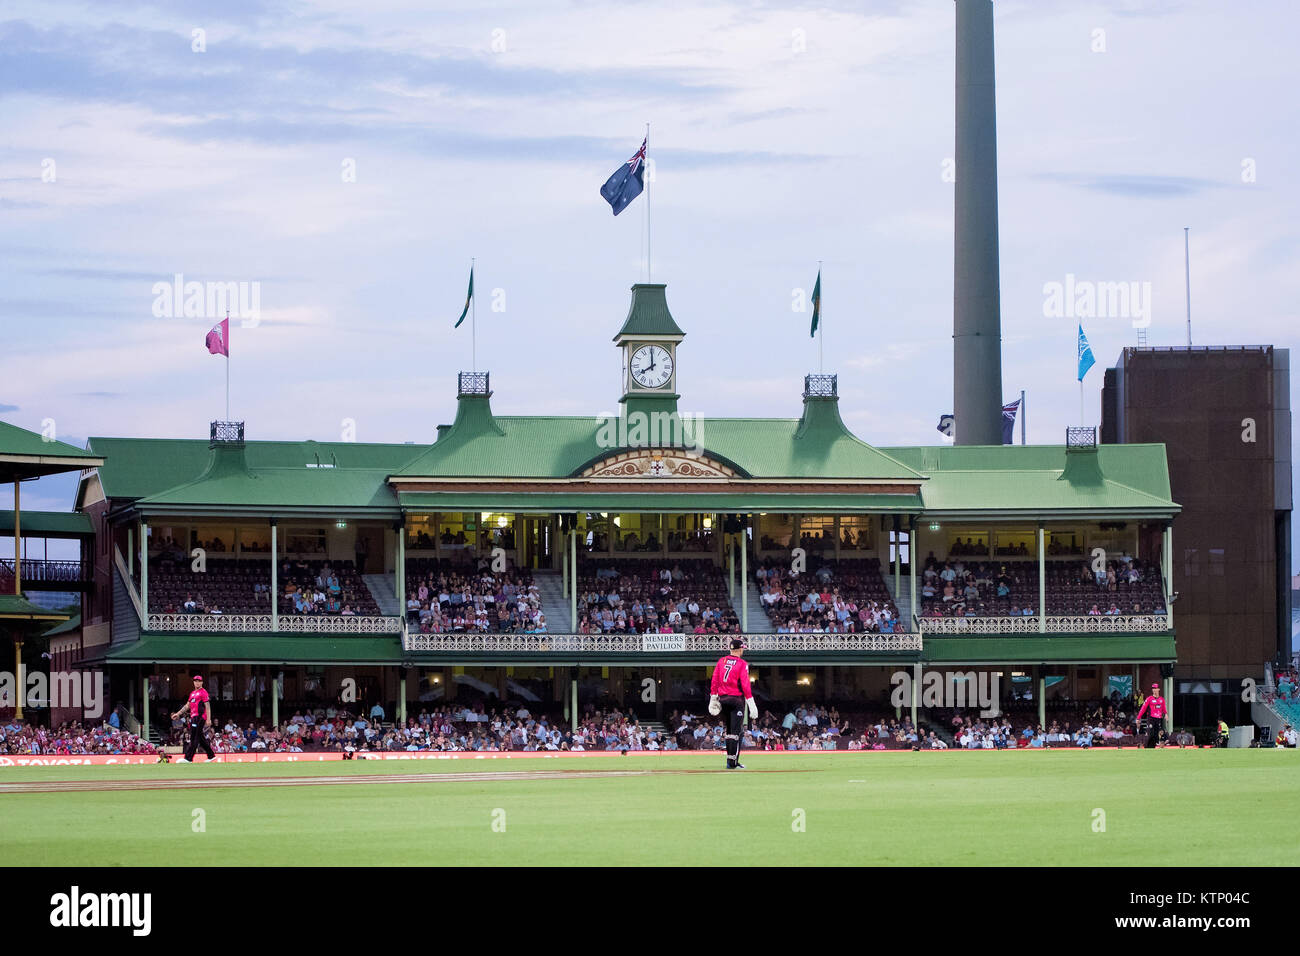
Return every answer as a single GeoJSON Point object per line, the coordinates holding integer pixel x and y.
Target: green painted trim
{"type": "Point", "coordinates": [1051, 649]}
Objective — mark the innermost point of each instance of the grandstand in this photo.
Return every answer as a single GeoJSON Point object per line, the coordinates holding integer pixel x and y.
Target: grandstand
{"type": "Point", "coordinates": [601, 562]}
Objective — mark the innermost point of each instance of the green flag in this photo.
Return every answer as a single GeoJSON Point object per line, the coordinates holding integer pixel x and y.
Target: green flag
{"type": "Point", "coordinates": [469, 297]}
{"type": "Point", "coordinates": [817, 305]}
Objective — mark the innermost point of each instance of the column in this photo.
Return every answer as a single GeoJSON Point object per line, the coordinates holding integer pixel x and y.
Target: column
{"type": "Point", "coordinates": [1167, 572]}
{"type": "Point", "coordinates": [573, 591]}
{"type": "Point", "coordinates": [1042, 582]}
{"type": "Point", "coordinates": [20, 690]}
{"type": "Point", "coordinates": [274, 687]}
{"type": "Point", "coordinates": [18, 569]}
{"type": "Point", "coordinates": [731, 570]}
{"type": "Point", "coordinates": [144, 699]}
{"type": "Point", "coordinates": [744, 581]}
{"type": "Point", "coordinates": [564, 572]}
{"type": "Point", "coordinates": [275, 595]}
{"type": "Point", "coordinates": [130, 551]}
{"type": "Point", "coordinates": [911, 565]}
{"type": "Point", "coordinates": [916, 694]}
{"type": "Point", "coordinates": [1042, 698]}
{"type": "Point", "coordinates": [400, 572]}
{"type": "Point", "coordinates": [401, 697]}
{"type": "Point", "coordinates": [836, 528]}
{"type": "Point", "coordinates": [255, 670]}
{"type": "Point", "coordinates": [144, 572]}
{"type": "Point", "coordinates": [898, 553]}
{"type": "Point", "coordinates": [573, 699]}
{"type": "Point", "coordinates": [1169, 705]}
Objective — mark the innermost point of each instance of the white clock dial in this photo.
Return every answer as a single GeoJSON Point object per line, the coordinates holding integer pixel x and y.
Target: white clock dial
{"type": "Point", "coordinates": [652, 366]}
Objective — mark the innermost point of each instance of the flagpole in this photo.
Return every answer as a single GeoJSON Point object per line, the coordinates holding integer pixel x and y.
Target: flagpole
{"type": "Point", "coordinates": [821, 324]}
{"type": "Point", "coordinates": [1022, 416]}
{"type": "Point", "coordinates": [648, 272]}
{"type": "Point", "coordinates": [227, 365]}
{"type": "Point", "coordinates": [473, 322]}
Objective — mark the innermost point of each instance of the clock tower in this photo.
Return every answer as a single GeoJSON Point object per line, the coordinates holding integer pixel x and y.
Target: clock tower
{"type": "Point", "coordinates": [648, 341]}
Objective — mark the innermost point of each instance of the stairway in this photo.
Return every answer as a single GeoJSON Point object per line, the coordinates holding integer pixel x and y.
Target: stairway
{"type": "Point", "coordinates": [383, 588]}
{"type": "Point", "coordinates": [902, 600]}
{"type": "Point", "coordinates": [550, 586]}
{"type": "Point", "coordinates": [759, 622]}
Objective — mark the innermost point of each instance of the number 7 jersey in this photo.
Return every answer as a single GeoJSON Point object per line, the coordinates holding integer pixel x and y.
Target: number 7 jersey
{"type": "Point", "coordinates": [731, 678]}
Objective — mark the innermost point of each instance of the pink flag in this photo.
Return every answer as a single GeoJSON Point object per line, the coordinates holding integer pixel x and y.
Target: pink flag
{"type": "Point", "coordinates": [218, 340]}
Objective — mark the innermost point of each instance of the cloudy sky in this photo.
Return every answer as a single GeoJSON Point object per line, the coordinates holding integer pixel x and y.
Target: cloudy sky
{"type": "Point", "coordinates": [351, 159]}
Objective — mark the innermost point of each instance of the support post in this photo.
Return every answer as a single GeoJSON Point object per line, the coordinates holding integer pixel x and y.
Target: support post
{"type": "Point", "coordinates": [911, 565]}
{"type": "Point", "coordinates": [1169, 705]}
{"type": "Point", "coordinates": [573, 699]}
{"type": "Point", "coordinates": [144, 572]}
{"type": "Point", "coordinates": [130, 551]}
{"type": "Point", "coordinates": [1042, 582]}
{"type": "Point", "coordinates": [573, 591]}
{"type": "Point", "coordinates": [564, 573]}
{"type": "Point", "coordinates": [275, 702]}
{"type": "Point", "coordinates": [20, 689]}
{"type": "Point", "coordinates": [1042, 699]}
{"type": "Point", "coordinates": [18, 563]}
{"type": "Point", "coordinates": [144, 708]}
{"type": "Point", "coordinates": [275, 594]}
{"type": "Point", "coordinates": [916, 695]}
{"type": "Point", "coordinates": [401, 697]}
{"type": "Point", "coordinates": [399, 576]}
{"type": "Point", "coordinates": [898, 553]}
{"type": "Point", "coordinates": [731, 570]}
{"type": "Point", "coordinates": [1167, 572]}
{"type": "Point", "coordinates": [257, 691]}
{"type": "Point", "coordinates": [744, 580]}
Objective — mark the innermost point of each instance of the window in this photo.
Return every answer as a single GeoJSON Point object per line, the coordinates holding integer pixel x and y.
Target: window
{"type": "Point", "coordinates": [1191, 562]}
{"type": "Point", "coordinates": [1216, 562]}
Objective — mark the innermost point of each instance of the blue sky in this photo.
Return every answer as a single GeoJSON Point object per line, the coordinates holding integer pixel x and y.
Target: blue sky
{"type": "Point", "coordinates": [782, 133]}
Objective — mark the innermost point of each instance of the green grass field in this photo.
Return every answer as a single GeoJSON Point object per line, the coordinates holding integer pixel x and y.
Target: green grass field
{"type": "Point", "coordinates": [984, 809]}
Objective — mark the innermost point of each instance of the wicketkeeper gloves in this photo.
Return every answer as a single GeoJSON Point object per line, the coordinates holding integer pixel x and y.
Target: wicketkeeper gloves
{"type": "Point", "coordinates": [752, 708]}
{"type": "Point", "coordinates": [715, 705]}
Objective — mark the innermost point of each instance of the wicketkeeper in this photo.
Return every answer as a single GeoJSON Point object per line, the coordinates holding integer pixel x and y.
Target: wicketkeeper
{"type": "Point", "coordinates": [1156, 704]}
{"type": "Point", "coordinates": [731, 695]}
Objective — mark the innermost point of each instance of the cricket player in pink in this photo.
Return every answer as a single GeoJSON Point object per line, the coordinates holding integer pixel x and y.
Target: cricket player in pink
{"type": "Point", "coordinates": [1156, 703]}
{"type": "Point", "coordinates": [198, 699]}
{"type": "Point", "coordinates": [731, 695]}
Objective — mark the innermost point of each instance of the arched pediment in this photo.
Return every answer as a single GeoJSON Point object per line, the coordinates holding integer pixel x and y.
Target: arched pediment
{"type": "Point", "coordinates": [659, 463]}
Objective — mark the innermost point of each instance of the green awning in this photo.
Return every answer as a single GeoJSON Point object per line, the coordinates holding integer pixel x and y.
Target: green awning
{"type": "Point", "coordinates": [258, 649]}
{"type": "Point", "coordinates": [1051, 649]}
{"type": "Point", "coordinates": [651, 502]}
{"type": "Point", "coordinates": [52, 524]}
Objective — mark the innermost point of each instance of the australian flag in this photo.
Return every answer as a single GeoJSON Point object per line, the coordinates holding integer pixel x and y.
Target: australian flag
{"type": "Point", "coordinates": [626, 183]}
{"type": "Point", "coordinates": [1009, 422]}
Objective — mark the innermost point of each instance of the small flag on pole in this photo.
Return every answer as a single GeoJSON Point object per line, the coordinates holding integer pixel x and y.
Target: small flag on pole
{"type": "Point", "coordinates": [1086, 361]}
{"type": "Point", "coordinates": [627, 182]}
{"type": "Point", "coordinates": [947, 425]}
{"type": "Point", "coordinates": [817, 305]}
{"type": "Point", "coordinates": [218, 340]}
{"type": "Point", "coordinates": [469, 297]}
{"type": "Point", "coordinates": [1009, 422]}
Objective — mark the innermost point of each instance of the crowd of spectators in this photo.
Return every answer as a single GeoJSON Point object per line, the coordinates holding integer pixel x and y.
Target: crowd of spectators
{"type": "Point", "coordinates": [73, 739]}
{"type": "Point", "coordinates": [848, 597]}
{"type": "Point", "coordinates": [640, 597]}
{"type": "Point", "coordinates": [444, 598]}
{"type": "Point", "coordinates": [229, 586]}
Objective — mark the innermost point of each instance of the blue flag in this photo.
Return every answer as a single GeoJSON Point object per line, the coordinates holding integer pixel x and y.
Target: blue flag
{"type": "Point", "coordinates": [1086, 361]}
{"type": "Point", "coordinates": [1009, 422]}
{"type": "Point", "coordinates": [626, 183]}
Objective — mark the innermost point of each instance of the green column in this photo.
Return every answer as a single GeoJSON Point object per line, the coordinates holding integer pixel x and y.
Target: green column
{"type": "Point", "coordinates": [275, 594]}
{"type": "Point", "coordinates": [401, 698]}
{"type": "Point", "coordinates": [564, 572]}
{"type": "Point", "coordinates": [257, 691]}
{"type": "Point", "coordinates": [1042, 698]}
{"type": "Point", "coordinates": [573, 705]}
{"type": "Point", "coordinates": [731, 570]}
{"type": "Point", "coordinates": [400, 571]}
{"type": "Point", "coordinates": [144, 697]}
{"type": "Point", "coordinates": [916, 694]}
{"type": "Point", "coordinates": [744, 581]}
{"type": "Point", "coordinates": [1167, 572]}
{"type": "Point", "coordinates": [911, 566]}
{"type": "Point", "coordinates": [1042, 583]}
{"type": "Point", "coordinates": [1169, 705]}
{"type": "Point", "coordinates": [275, 702]}
{"type": "Point", "coordinates": [144, 572]}
{"type": "Point", "coordinates": [130, 551]}
{"type": "Point", "coordinates": [573, 591]}
{"type": "Point", "coordinates": [898, 553]}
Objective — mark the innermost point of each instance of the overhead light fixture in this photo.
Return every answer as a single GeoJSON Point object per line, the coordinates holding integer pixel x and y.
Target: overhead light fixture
{"type": "Point", "coordinates": [340, 524]}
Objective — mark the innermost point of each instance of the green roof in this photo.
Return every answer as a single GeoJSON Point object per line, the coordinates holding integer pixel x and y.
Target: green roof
{"type": "Point", "coordinates": [818, 445]}
{"type": "Point", "coordinates": [258, 648]}
{"type": "Point", "coordinates": [345, 476]}
{"type": "Point", "coordinates": [1042, 479]}
{"type": "Point", "coordinates": [17, 607]}
{"type": "Point", "coordinates": [25, 454]}
{"type": "Point", "coordinates": [648, 313]}
{"type": "Point", "coordinates": [54, 524]}
{"type": "Point", "coordinates": [67, 627]}
{"type": "Point", "coordinates": [733, 500]}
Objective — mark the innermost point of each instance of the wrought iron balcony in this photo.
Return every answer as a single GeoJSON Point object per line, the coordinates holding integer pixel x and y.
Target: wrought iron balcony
{"type": "Point", "coordinates": [226, 433]}
{"type": "Point", "coordinates": [820, 386]}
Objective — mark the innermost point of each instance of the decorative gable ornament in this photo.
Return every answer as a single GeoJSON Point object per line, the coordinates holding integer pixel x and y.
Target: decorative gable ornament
{"type": "Point", "coordinates": [662, 464]}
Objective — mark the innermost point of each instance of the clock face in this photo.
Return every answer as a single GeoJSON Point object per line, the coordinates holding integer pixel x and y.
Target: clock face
{"type": "Point", "coordinates": [652, 366]}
